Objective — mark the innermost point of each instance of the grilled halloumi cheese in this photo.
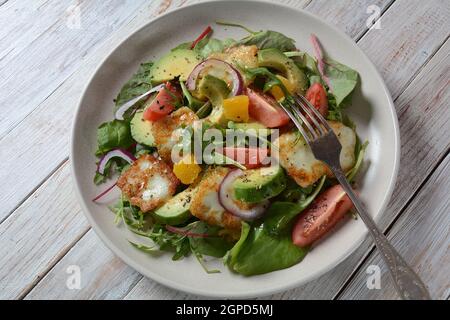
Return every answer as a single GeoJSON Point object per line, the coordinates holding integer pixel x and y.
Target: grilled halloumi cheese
{"type": "Point", "coordinates": [205, 204]}
{"type": "Point", "coordinates": [148, 183]}
{"type": "Point", "coordinates": [297, 159]}
{"type": "Point", "coordinates": [242, 55]}
{"type": "Point", "coordinates": [168, 130]}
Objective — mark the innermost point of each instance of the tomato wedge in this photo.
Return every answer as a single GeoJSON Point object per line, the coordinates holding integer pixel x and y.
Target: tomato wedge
{"type": "Point", "coordinates": [321, 216]}
{"type": "Point", "coordinates": [264, 109]}
{"type": "Point", "coordinates": [251, 157]}
{"type": "Point", "coordinates": [163, 104]}
{"type": "Point", "coordinates": [317, 95]}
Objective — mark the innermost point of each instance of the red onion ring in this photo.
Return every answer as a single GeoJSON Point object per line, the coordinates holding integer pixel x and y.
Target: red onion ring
{"type": "Point", "coordinates": [238, 82]}
{"type": "Point", "coordinates": [226, 199]}
{"type": "Point", "coordinates": [119, 153]}
{"type": "Point", "coordinates": [320, 63]}
{"type": "Point", "coordinates": [127, 105]}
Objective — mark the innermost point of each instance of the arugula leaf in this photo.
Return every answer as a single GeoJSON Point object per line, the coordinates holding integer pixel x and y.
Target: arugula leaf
{"type": "Point", "coordinates": [143, 248]}
{"type": "Point", "coordinates": [237, 25]}
{"type": "Point", "coordinates": [137, 85]}
{"type": "Point", "coordinates": [269, 39]}
{"type": "Point", "coordinates": [113, 134]}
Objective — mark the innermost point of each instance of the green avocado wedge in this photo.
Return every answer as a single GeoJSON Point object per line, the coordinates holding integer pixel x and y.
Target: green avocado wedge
{"type": "Point", "coordinates": [275, 59]}
{"type": "Point", "coordinates": [141, 130]}
{"type": "Point", "coordinates": [259, 184]}
{"type": "Point", "coordinates": [177, 63]}
{"type": "Point", "coordinates": [176, 210]}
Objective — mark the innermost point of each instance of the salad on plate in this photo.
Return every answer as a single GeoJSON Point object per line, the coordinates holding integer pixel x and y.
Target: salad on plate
{"type": "Point", "coordinates": [206, 162]}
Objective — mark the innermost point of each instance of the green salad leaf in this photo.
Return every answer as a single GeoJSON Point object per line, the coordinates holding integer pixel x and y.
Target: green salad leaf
{"type": "Point", "coordinates": [280, 214]}
{"type": "Point", "coordinates": [193, 103]}
{"type": "Point", "coordinates": [269, 39]}
{"type": "Point", "coordinates": [267, 246]}
{"type": "Point", "coordinates": [263, 39]}
{"type": "Point", "coordinates": [208, 46]}
{"type": "Point", "coordinates": [259, 252]}
{"type": "Point", "coordinates": [342, 78]}
{"type": "Point", "coordinates": [214, 245]}
{"type": "Point", "coordinates": [113, 134]}
{"type": "Point", "coordinates": [137, 85]}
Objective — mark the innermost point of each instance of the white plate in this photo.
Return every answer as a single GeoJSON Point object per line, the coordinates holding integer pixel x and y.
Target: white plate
{"type": "Point", "coordinates": [372, 111]}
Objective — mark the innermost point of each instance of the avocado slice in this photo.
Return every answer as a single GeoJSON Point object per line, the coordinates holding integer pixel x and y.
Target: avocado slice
{"type": "Point", "coordinates": [176, 210]}
{"type": "Point", "coordinates": [274, 58]}
{"type": "Point", "coordinates": [248, 125]}
{"type": "Point", "coordinates": [177, 63]}
{"type": "Point", "coordinates": [259, 184]}
{"type": "Point", "coordinates": [216, 90]}
{"type": "Point", "coordinates": [141, 130]}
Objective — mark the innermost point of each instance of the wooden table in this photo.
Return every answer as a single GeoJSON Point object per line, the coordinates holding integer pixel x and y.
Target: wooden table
{"type": "Point", "coordinates": [46, 57]}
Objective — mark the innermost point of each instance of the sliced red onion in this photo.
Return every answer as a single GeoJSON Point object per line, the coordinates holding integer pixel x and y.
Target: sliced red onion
{"type": "Point", "coordinates": [227, 200]}
{"type": "Point", "coordinates": [320, 63]}
{"type": "Point", "coordinates": [116, 153]}
{"type": "Point", "coordinates": [127, 105]}
{"type": "Point", "coordinates": [104, 193]}
{"type": "Point", "coordinates": [238, 82]}
{"type": "Point", "coordinates": [186, 233]}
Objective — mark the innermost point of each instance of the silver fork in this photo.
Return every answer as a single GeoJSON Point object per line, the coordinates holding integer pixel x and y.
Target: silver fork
{"type": "Point", "coordinates": [327, 148]}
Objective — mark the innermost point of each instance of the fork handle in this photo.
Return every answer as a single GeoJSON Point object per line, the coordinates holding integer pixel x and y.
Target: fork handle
{"type": "Point", "coordinates": [406, 281]}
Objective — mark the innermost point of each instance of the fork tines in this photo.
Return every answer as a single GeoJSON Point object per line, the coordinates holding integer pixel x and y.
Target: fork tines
{"type": "Point", "coordinates": [301, 112]}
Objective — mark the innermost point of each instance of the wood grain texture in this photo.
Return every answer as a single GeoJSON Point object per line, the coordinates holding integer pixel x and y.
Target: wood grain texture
{"type": "Point", "coordinates": [37, 55]}
{"type": "Point", "coordinates": [34, 252]}
{"type": "Point", "coordinates": [423, 117]}
{"type": "Point", "coordinates": [422, 236]}
{"type": "Point", "coordinates": [340, 15]}
{"type": "Point", "coordinates": [46, 128]}
{"type": "Point", "coordinates": [329, 285]}
{"type": "Point", "coordinates": [411, 32]}
{"type": "Point", "coordinates": [103, 275]}
{"type": "Point", "coordinates": [39, 143]}
{"type": "Point", "coordinates": [39, 233]}
{"type": "Point", "coordinates": [425, 123]}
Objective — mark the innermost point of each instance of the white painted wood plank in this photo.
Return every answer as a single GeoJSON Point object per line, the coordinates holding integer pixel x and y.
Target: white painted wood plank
{"type": "Point", "coordinates": [102, 274]}
{"type": "Point", "coordinates": [423, 117]}
{"type": "Point", "coordinates": [411, 32]}
{"type": "Point", "coordinates": [38, 234]}
{"type": "Point", "coordinates": [359, 12]}
{"type": "Point", "coordinates": [27, 253]}
{"type": "Point", "coordinates": [50, 47]}
{"type": "Point", "coordinates": [422, 236]}
{"type": "Point", "coordinates": [168, 289]}
{"type": "Point", "coordinates": [39, 143]}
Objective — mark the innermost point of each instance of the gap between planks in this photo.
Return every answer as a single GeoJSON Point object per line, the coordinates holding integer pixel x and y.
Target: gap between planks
{"type": "Point", "coordinates": [387, 230]}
